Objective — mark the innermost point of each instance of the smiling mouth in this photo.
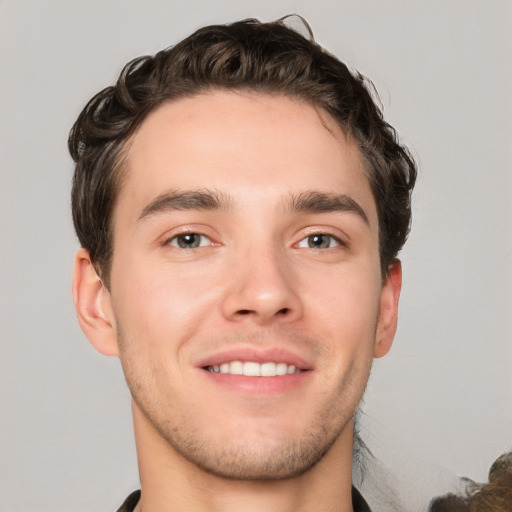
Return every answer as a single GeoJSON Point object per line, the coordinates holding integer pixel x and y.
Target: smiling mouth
{"type": "Point", "coordinates": [253, 369]}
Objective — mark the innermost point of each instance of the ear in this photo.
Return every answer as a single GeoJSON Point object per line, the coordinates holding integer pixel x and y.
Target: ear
{"type": "Point", "coordinates": [388, 313]}
{"type": "Point", "coordinates": [93, 306]}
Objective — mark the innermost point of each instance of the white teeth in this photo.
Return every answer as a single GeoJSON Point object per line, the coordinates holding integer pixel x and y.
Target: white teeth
{"type": "Point", "coordinates": [236, 368]}
{"type": "Point", "coordinates": [268, 369]}
{"type": "Point", "coordinates": [253, 369]}
{"type": "Point", "coordinates": [281, 369]}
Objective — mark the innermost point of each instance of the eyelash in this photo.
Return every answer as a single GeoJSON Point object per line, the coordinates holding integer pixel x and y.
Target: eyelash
{"type": "Point", "coordinates": [175, 240]}
{"type": "Point", "coordinates": [333, 241]}
{"type": "Point", "coordinates": [308, 240]}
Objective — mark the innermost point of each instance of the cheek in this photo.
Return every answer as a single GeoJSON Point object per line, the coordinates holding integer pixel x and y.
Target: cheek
{"type": "Point", "coordinates": [345, 316]}
{"type": "Point", "coordinates": [347, 302]}
{"type": "Point", "coordinates": [157, 303]}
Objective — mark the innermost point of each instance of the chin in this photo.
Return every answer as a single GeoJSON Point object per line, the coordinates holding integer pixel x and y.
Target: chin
{"type": "Point", "coordinates": [256, 457]}
{"type": "Point", "coordinates": [261, 463]}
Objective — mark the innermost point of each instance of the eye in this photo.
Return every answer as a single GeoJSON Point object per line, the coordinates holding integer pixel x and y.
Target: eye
{"type": "Point", "coordinates": [319, 241]}
{"type": "Point", "coordinates": [189, 241]}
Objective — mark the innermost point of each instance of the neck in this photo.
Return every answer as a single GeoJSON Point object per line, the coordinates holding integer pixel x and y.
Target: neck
{"type": "Point", "coordinates": [170, 483]}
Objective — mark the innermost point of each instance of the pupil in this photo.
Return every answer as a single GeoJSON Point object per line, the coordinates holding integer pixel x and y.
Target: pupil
{"type": "Point", "coordinates": [188, 240]}
{"type": "Point", "coordinates": [318, 241]}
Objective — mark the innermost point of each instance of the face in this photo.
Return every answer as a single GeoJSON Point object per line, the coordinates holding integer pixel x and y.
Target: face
{"type": "Point", "coordinates": [246, 296]}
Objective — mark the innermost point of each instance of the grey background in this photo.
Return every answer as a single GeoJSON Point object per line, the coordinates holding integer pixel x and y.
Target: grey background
{"type": "Point", "coordinates": [439, 405]}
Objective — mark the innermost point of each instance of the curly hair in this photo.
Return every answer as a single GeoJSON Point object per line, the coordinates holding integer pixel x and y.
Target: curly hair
{"type": "Point", "coordinates": [268, 58]}
{"type": "Point", "coordinates": [495, 496]}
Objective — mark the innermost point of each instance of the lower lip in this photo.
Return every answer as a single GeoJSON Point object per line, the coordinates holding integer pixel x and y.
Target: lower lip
{"type": "Point", "coordinates": [259, 385]}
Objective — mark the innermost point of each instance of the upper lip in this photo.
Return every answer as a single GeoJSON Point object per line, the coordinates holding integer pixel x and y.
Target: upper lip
{"type": "Point", "coordinates": [257, 355]}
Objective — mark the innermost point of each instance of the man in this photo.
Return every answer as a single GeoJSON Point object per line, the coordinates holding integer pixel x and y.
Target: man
{"type": "Point", "coordinates": [240, 203]}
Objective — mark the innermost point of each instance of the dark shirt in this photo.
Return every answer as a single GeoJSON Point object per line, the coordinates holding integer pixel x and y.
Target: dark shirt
{"type": "Point", "coordinates": [358, 502]}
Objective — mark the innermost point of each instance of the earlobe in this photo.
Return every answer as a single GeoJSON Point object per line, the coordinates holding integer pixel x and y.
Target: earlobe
{"type": "Point", "coordinates": [388, 313]}
{"type": "Point", "coordinates": [93, 306]}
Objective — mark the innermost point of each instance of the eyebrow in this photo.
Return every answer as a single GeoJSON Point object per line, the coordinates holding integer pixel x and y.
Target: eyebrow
{"type": "Point", "coordinates": [181, 200]}
{"type": "Point", "coordinates": [322, 202]}
{"type": "Point", "coordinates": [207, 199]}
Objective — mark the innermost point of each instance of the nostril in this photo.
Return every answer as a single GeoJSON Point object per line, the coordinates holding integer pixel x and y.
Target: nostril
{"type": "Point", "coordinates": [244, 312]}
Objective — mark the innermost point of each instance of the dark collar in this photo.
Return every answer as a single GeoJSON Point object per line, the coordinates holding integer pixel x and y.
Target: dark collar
{"type": "Point", "coordinates": [358, 502]}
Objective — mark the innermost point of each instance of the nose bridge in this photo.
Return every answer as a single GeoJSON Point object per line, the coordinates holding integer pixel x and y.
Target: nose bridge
{"type": "Point", "coordinates": [262, 286]}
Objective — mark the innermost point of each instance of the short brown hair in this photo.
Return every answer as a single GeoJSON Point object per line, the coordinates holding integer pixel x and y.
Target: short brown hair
{"type": "Point", "coordinates": [269, 58]}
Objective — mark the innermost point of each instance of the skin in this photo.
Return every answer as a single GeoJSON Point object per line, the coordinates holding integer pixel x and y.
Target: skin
{"type": "Point", "coordinates": [256, 283]}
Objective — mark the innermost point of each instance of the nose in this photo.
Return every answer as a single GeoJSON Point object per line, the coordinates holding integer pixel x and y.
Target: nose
{"type": "Point", "coordinates": [262, 289]}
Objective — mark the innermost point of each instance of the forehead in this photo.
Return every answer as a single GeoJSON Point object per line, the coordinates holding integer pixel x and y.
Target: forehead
{"type": "Point", "coordinates": [246, 144]}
